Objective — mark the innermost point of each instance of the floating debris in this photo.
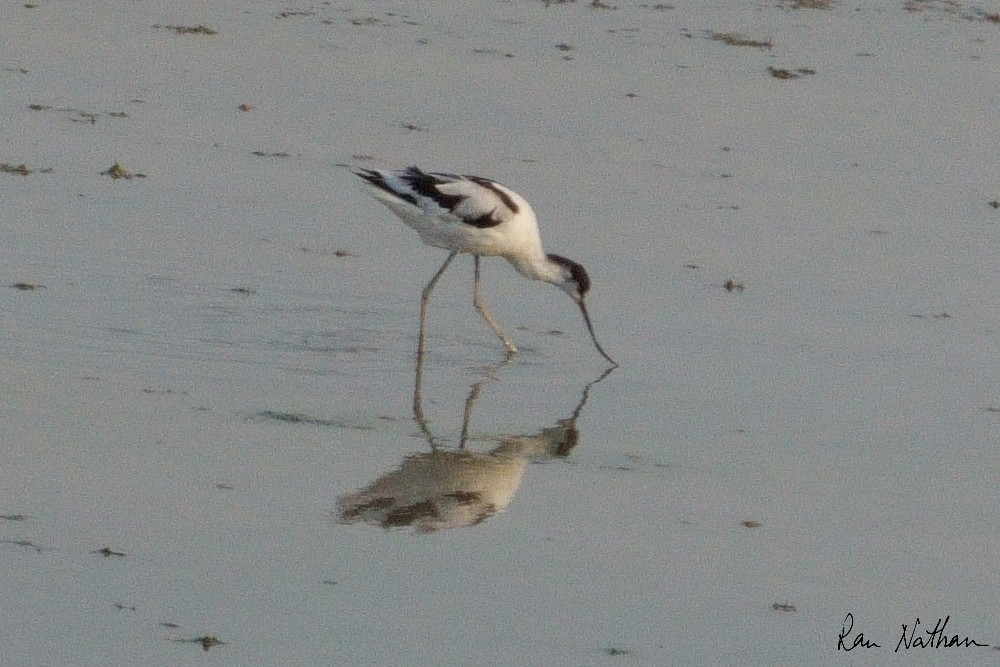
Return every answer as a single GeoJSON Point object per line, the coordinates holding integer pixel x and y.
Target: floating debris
{"type": "Point", "coordinates": [737, 39]}
{"type": "Point", "coordinates": [27, 287]}
{"type": "Point", "coordinates": [207, 642]}
{"type": "Point", "coordinates": [782, 606]}
{"type": "Point", "coordinates": [164, 392]}
{"type": "Point", "coordinates": [494, 52]}
{"type": "Point", "coordinates": [108, 552]}
{"type": "Point", "coordinates": [189, 30]}
{"type": "Point", "coordinates": [21, 169]}
{"type": "Point", "coordinates": [806, 4]}
{"type": "Point", "coordinates": [733, 286]}
{"type": "Point", "coordinates": [299, 418]}
{"type": "Point", "coordinates": [778, 73]}
{"type": "Point", "coordinates": [79, 115]}
{"type": "Point", "coordinates": [951, 8]}
{"type": "Point", "coordinates": [117, 171]}
{"type": "Point", "coordinates": [325, 251]}
{"type": "Point", "coordinates": [368, 20]}
{"type": "Point", "coordinates": [23, 543]}
{"type": "Point", "coordinates": [750, 524]}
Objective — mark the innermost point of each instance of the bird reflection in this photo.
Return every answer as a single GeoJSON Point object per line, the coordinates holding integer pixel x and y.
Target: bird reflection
{"type": "Point", "coordinates": [452, 488]}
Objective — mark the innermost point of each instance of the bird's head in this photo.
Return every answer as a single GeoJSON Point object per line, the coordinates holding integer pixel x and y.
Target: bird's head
{"type": "Point", "coordinates": [575, 280]}
{"type": "Point", "coordinates": [576, 283]}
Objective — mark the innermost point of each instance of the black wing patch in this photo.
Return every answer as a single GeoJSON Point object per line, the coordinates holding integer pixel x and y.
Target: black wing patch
{"type": "Point", "coordinates": [426, 185]}
{"type": "Point", "coordinates": [492, 187]}
{"type": "Point", "coordinates": [377, 179]}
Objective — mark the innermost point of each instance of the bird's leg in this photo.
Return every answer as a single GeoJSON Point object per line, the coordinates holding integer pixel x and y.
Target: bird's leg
{"type": "Point", "coordinates": [425, 296]}
{"type": "Point", "coordinates": [480, 304]}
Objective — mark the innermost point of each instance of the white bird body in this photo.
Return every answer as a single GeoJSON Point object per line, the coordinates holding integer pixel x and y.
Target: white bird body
{"type": "Point", "coordinates": [480, 217]}
{"type": "Point", "coordinates": [511, 234]}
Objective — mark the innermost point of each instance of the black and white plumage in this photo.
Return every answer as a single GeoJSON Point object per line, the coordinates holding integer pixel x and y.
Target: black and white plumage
{"type": "Point", "coordinates": [478, 216]}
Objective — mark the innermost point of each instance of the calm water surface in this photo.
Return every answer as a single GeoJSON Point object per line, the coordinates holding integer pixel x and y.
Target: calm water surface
{"type": "Point", "coordinates": [208, 398]}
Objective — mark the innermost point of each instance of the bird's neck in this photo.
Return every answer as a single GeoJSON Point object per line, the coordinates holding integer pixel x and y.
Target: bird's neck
{"type": "Point", "coordinates": [537, 267]}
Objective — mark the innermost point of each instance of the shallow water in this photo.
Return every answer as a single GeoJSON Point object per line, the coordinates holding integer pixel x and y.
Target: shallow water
{"type": "Point", "coordinates": [208, 397]}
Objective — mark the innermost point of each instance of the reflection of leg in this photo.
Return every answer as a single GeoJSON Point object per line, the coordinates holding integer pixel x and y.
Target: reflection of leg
{"type": "Point", "coordinates": [469, 402]}
{"type": "Point", "coordinates": [424, 298]}
{"type": "Point", "coordinates": [418, 408]}
{"type": "Point", "coordinates": [491, 375]}
{"type": "Point", "coordinates": [480, 304]}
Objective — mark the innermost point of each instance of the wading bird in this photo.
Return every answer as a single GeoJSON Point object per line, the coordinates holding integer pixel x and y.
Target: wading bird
{"type": "Point", "coordinates": [474, 215]}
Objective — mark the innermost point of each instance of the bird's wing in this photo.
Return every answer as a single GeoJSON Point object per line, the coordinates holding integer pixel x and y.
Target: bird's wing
{"type": "Point", "coordinates": [472, 200]}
